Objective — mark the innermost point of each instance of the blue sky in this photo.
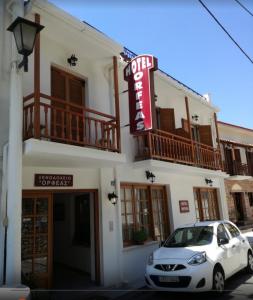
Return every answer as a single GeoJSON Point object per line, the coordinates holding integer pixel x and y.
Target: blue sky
{"type": "Point", "coordinates": [188, 43]}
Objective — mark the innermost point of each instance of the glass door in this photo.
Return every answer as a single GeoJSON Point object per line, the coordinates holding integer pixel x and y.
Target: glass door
{"type": "Point", "coordinates": [36, 250]}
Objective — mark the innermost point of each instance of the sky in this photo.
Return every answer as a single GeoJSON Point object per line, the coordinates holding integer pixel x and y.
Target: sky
{"type": "Point", "coordinates": [188, 43]}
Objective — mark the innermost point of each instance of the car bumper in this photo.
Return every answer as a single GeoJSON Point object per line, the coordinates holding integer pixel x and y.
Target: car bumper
{"type": "Point", "coordinates": [191, 279]}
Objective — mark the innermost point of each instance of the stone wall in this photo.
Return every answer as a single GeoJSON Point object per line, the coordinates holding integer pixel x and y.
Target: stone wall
{"type": "Point", "coordinates": [244, 187]}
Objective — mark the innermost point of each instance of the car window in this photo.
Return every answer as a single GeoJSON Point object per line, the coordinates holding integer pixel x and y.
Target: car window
{"type": "Point", "coordinates": [232, 229]}
{"type": "Point", "coordinates": [190, 236]}
{"type": "Point", "coordinates": [222, 233]}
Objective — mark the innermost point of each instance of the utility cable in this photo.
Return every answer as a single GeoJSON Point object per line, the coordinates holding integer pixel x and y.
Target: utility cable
{"type": "Point", "coordinates": [223, 28]}
{"type": "Point", "coordinates": [244, 7]}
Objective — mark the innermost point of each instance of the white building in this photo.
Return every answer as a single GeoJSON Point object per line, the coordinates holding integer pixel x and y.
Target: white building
{"type": "Point", "coordinates": [77, 149]}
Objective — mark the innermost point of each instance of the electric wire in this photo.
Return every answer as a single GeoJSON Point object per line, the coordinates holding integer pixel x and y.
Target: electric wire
{"type": "Point", "coordinates": [244, 7]}
{"type": "Point", "coordinates": [224, 29]}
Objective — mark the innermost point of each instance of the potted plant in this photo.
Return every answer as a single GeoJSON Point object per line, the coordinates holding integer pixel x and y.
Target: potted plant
{"type": "Point", "coordinates": [140, 236]}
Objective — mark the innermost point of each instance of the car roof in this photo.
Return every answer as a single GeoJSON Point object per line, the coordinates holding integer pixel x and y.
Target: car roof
{"type": "Point", "coordinates": [205, 223]}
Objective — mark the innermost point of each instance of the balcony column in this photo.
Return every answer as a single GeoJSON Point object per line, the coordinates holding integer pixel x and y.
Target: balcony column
{"type": "Point", "coordinates": [189, 127]}
{"type": "Point", "coordinates": [116, 97]}
{"type": "Point", "coordinates": [218, 140]}
{"type": "Point", "coordinates": [36, 115]}
{"type": "Point", "coordinates": [14, 167]}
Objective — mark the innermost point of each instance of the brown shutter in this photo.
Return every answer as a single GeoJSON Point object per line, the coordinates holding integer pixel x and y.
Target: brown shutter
{"type": "Point", "coordinates": [76, 91]}
{"type": "Point", "coordinates": [205, 133]}
{"type": "Point", "coordinates": [166, 119]}
{"type": "Point", "coordinates": [185, 125]}
{"type": "Point", "coordinates": [229, 160]}
{"type": "Point", "coordinates": [58, 84]}
{"type": "Point", "coordinates": [237, 155]}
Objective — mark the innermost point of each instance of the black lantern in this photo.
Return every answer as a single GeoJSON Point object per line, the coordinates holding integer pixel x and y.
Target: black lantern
{"type": "Point", "coordinates": [195, 117]}
{"type": "Point", "coordinates": [72, 60]}
{"type": "Point", "coordinates": [112, 198]}
{"type": "Point", "coordinates": [150, 176]}
{"type": "Point", "coordinates": [209, 181]}
{"type": "Point", "coordinates": [25, 32]}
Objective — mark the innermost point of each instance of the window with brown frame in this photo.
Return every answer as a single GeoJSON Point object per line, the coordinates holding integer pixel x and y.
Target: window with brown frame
{"type": "Point", "coordinates": [206, 204]}
{"type": "Point", "coordinates": [143, 207]}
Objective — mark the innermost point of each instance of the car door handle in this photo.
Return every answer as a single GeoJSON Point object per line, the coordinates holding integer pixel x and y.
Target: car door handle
{"type": "Point", "coordinates": [233, 246]}
{"type": "Point", "coordinates": [243, 241]}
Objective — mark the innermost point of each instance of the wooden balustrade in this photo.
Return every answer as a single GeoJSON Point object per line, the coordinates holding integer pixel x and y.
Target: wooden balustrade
{"type": "Point", "coordinates": [158, 144]}
{"type": "Point", "coordinates": [69, 123]}
{"type": "Point", "coordinates": [237, 168]}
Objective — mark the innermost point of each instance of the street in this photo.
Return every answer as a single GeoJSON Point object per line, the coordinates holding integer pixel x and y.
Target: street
{"type": "Point", "coordinates": [239, 286]}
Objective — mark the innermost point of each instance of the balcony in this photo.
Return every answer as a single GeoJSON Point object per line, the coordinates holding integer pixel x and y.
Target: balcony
{"type": "Point", "coordinates": [237, 168]}
{"type": "Point", "coordinates": [52, 119]}
{"type": "Point", "coordinates": [161, 145]}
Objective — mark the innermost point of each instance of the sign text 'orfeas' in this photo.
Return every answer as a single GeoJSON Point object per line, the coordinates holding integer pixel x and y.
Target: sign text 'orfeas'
{"type": "Point", "coordinates": [141, 91]}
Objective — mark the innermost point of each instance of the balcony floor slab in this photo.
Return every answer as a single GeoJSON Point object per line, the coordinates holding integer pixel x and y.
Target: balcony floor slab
{"type": "Point", "coordinates": [161, 166]}
{"type": "Point", "coordinates": [51, 154]}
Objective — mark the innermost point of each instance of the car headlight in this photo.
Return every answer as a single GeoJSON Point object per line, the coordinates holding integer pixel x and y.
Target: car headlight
{"type": "Point", "coordinates": [197, 259]}
{"type": "Point", "coordinates": [150, 259]}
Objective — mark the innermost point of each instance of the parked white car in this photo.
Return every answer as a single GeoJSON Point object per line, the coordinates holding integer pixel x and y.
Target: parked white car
{"type": "Point", "coordinates": [199, 257]}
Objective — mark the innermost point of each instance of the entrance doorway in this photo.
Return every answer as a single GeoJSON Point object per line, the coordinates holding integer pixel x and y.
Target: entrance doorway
{"type": "Point", "coordinates": [238, 202]}
{"type": "Point", "coordinates": [60, 239]}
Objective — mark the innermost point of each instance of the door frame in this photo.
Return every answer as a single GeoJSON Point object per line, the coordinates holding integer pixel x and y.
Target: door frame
{"type": "Point", "coordinates": [51, 192]}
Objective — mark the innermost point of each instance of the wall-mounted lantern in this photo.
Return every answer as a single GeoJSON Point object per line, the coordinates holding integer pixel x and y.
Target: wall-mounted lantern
{"type": "Point", "coordinates": [209, 181]}
{"type": "Point", "coordinates": [195, 117]}
{"type": "Point", "coordinates": [113, 198]}
{"type": "Point", "coordinates": [150, 176]}
{"type": "Point", "coordinates": [72, 60]}
{"type": "Point", "coordinates": [25, 33]}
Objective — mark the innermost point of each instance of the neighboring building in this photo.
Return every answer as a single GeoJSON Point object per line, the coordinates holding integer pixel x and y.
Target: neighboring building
{"type": "Point", "coordinates": [77, 149]}
{"type": "Point", "coordinates": [237, 153]}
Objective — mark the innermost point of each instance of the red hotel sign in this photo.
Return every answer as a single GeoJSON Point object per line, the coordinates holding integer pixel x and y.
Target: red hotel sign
{"type": "Point", "coordinates": [53, 180]}
{"type": "Point", "coordinates": [140, 89]}
{"type": "Point", "coordinates": [184, 206]}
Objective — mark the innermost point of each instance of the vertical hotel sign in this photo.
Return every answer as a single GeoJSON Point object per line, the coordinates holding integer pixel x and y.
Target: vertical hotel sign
{"type": "Point", "coordinates": [139, 75]}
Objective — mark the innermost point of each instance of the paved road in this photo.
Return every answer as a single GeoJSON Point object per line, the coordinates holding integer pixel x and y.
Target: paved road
{"type": "Point", "coordinates": [240, 287]}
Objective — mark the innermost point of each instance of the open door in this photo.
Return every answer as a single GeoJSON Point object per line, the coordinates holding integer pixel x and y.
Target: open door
{"type": "Point", "coordinates": [36, 251]}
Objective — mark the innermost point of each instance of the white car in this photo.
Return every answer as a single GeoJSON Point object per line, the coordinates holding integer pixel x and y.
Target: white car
{"type": "Point", "coordinates": [199, 257]}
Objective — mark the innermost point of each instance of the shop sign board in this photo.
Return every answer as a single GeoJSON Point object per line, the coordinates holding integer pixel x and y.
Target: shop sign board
{"type": "Point", "coordinates": [139, 75]}
{"type": "Point", "coordinates": [53, 180]}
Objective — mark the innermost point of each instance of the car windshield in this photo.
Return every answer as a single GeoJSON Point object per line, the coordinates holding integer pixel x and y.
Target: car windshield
{"type": "Point", "coordinates": [190, 236]}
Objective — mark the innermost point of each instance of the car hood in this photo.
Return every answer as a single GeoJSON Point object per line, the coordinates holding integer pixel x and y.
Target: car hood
{"type": "Point", "coordinates": [184, 253]}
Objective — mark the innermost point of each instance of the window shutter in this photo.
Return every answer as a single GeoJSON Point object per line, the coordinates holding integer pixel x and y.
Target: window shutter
{"type": "Point", "coordinates": [205, 133]}
{"type": "Point", "coordinates": [185, 125]}
{"type": "Point", "coordinates": [76, 91]}
{"type": "Point", "coordinates": [58, 84]}
{"type": "Point", "coordinates": [237, 155]}
{"type": "Point", "coordinates": [229, 160]}
{"type": "Point", "coordinates": [166, 119]}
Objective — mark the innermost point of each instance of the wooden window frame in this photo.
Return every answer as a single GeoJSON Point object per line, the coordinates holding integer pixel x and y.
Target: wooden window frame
{"type": "Point", "coordinates": [149, 188]}
{"type": "Point", "coordinates": [198, 191]}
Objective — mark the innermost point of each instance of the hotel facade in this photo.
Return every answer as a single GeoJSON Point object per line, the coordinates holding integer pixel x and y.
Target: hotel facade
{"type": "Point", "coordinates": [81, 189]}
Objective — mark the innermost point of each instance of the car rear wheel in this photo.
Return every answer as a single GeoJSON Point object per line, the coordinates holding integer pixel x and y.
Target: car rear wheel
{"type": "Point", "coordinates": [218, 280]}
{"type": "Point", "coordinates": [250, 263]}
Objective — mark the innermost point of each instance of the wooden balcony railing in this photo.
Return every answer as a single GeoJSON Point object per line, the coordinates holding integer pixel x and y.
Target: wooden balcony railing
{"type": "Point", "coordinates": [165, 146]}
{"type": "Point", "coordinates": [68, 123]}
{"type": "Point", "coordinates": [237, 168]}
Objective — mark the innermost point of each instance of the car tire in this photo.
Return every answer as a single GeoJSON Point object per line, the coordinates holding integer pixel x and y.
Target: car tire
{"type": "Point", "coordinates": [218, 280]}
{"type": "Point", "coordinates": [249, 267]}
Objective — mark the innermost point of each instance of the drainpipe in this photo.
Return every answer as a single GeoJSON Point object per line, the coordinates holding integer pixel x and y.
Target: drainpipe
{"type": "Point", "coordinates": [14, 167]}
{"type": "Point", "coordinates": [3, 219]}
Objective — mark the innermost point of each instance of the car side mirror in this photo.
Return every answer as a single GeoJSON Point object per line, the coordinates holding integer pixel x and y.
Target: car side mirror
{"type": "Point", "coordinates": [161, 243]}
{"type": "Point", "coordinates": [223, 241]}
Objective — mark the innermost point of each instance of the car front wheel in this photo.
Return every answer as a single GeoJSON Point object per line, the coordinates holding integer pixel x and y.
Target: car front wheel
{"type": "Point", "coordinates": [250, 263]}
{"type": "Point", "coordinates": [218, 280]}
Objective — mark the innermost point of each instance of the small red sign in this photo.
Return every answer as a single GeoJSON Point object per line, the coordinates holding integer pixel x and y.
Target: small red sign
{"type": "Point", "coordinates": [140, 91]}
{"type": "Point", "coordinates": [53, 180]}
{"type": "Point", "coordinates": [184, 206]}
